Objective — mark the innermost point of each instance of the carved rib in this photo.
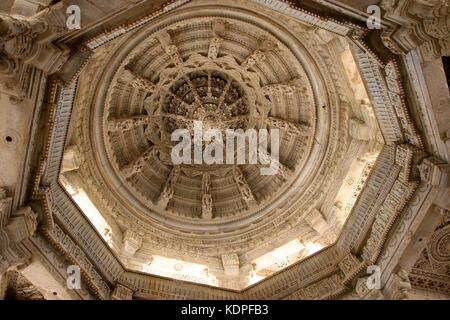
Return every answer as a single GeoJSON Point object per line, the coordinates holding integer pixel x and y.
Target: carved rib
{"type": "Point", "coordinates": [143, 84]}
{"type": "Point", "coordinates": [137, 166]}
{"type": "Point", "coordinates": [194, 90]}
{"type": "Point", "coordinates": [209, 85]}
{"type": "Point", "coordinates": [224, 93]}
{"type": "Point", "coordinates": [214, 46]}
{"type": "Point", "coordinates": [266, 159]}
{"type": "Point", "coordinates": [127, 123]}
{"type": "Point", "coordinates": [265, 45]}
{"type": "Point", "coordinates": [285, 88]}
{"type": "Point", "coordinates": [137, 81]}
{"type": "Point", "coordinates": [243, 187]}
{"type": "Point", "coordinates": [170, 48]}
{"type": "Point", "coordinates": [181, 101]}
{"type": "Point", "coordinates": [252, 59]}
{"type": "Point", "coordinates": [298, 129]}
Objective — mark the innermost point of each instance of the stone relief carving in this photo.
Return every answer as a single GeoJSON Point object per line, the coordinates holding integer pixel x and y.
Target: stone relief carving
{"type": "Point", "coordinates": [432, 270]}
{"type": "Point", "coordinates": [428, 30]}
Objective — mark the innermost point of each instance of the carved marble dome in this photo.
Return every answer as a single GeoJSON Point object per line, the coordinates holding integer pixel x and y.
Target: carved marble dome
{"type": "Point", "coordinates": [229, 75]}
{"type": "Point", "coordinates": [89, 189]}
{"type": "Point", "coordinates": [230, 69]}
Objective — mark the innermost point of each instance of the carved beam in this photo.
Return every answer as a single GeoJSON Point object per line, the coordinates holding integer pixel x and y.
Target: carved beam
{"type": "Point", "coordinates": [137, 81]}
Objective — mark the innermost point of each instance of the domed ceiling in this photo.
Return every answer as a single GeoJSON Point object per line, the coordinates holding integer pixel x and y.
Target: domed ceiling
{"type": "Point", "coordinates": [239, 66]}
{"type": "Point", "coordinates": [187, 73]}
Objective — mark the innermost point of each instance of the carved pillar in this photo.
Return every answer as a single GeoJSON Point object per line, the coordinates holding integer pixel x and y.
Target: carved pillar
{"type": "Point", "coordinates": [13, 27]}
{"type": "Point", "coordinates": [22, 225]}
{"type": "Point", "coordinates": [14, 228]}
{"type": "Point", "coordinates": [436, 173]}
{"type": "Point", "coordinates": [421, 24]}
{"type": "Point", "coordinates": [18, 41]}
{"type": "Point", "coordinates": [5, 211]}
